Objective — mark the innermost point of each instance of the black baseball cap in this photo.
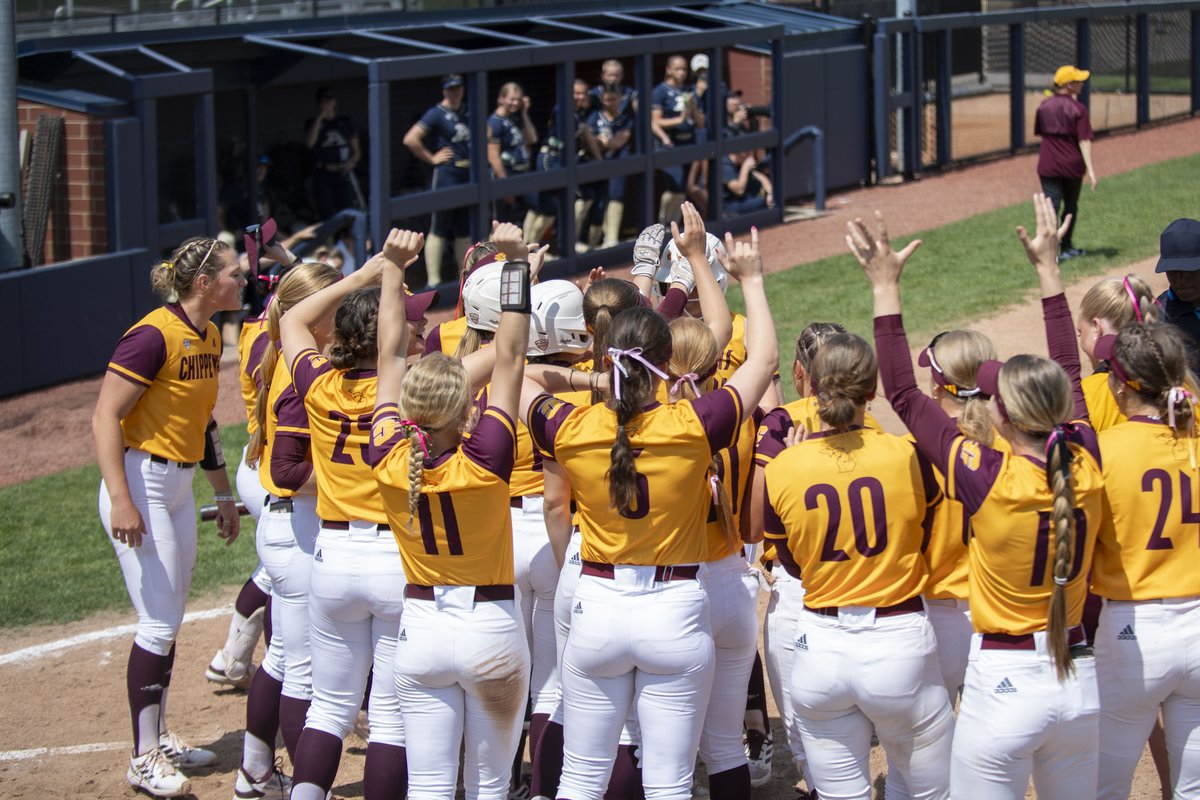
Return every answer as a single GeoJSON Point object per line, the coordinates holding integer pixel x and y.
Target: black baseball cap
{"type": "Point", "coordinates": [452, 80]}
{"type": "Point", "coordinates": [1179, 246]}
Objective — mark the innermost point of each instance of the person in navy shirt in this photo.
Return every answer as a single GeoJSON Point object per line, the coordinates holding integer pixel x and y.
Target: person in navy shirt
{"type": "Point", "coordinates": [1065, 155]}
{"type": "Point", "coordinates": [446, 126]}
{"type": "Point", "coordinates": [744, 188]}
{"type": "Point", "coordinates": [511, 137]}
{"type": "Point", "coordinates": [673, 120]}
{"type": "Point", "coordinates": [612, 73]}
{"type": "Point", "coordinates": [612, 126]}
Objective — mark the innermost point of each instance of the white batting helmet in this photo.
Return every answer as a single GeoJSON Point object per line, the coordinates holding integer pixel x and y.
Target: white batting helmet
{"type": "Point", "coordinates": [556, 325]}
{"type": "Point", "coordinates": [481, 297]}
{"type": "Point", "coordinates": [712, 247]}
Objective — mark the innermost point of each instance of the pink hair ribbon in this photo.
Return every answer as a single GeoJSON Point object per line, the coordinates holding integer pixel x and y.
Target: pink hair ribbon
{"type": "Point", "coordinates": [620, 370]}
{"type": "Point", "coordinates": [1137, 309]}
{"type": "Point", "coordinates": [689, 379]}
{"type": "Point", "coordinates": [409, 428]}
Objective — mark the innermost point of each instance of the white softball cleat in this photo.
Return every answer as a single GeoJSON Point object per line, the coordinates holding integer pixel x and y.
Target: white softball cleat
{"type": "Point", "coordinates": [182, 755]}
{"type": "Point", "coordinates": [220, 672]}
{"type": "Point", "coordinates": [759, 749]}
{"type": "Point", "coordinates": [153, 772]}
{"type": "Point", "coordinates": [276, 786]}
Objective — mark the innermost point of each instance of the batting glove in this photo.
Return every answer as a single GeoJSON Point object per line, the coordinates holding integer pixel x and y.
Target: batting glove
{"type": "Point", "coordinates": [647, 250]}
{"type": "Point", "coordinates": [681, 273]}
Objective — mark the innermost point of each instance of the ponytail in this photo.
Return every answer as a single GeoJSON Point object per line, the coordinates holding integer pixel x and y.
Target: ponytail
{"type": "Point", "coordinates": [603, 300]}
{"type": "Point", "coordinates": [418, 454]}
{"type": "Point", "coordinates": [470, 342]}
{"type": "Point", "coordinates": [266, 373]}
{"type": "Point", "coordinates": [1058, 475]}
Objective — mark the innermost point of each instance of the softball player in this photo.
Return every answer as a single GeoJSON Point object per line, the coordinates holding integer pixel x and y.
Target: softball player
{"type": "Point", "coordinates": [462, 662]}
{"type": "Point", "coordinates": [1106, 308]}
{"type": "Point", "coordinates": [446, 336]}
{"type": "Point", "coordinates": [357, 590]}
{"type": "Point", "coordinates": [152, 425]}
{"type": "Point", "coordinates": [731, 587]}
{"type": "Point", "coordinates": [953, 359]}
{"type": "Point", "coordinates": [642, 543]}
{"type": "Point", "coordinates": [1144, 567]}
{"type": "Point", "coordinates": [233, 665]}
{"type": "Point", "coordinates": [864, 652]}
{"type": "Point", "coordinates": [1029, 702]}
{"type": "Point", "coordinates": [287, 530]}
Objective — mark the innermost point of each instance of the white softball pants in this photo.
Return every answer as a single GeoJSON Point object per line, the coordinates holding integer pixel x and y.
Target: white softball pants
{"type": "Point", "coordinates": [158, 573]}
{"type": "Point", "coordinates": [462, 676]}
{"type": "Point", "coordinates": [249, 487]}
{"type": "Point", "coordinates": [854, 671]}
{"type": "Point", "coordinates": [951, 621]}
{"type": "Point", "coordinates": [355, 601]}
{"type": "Point", "coordinates": [635, 644]}
{"type": "Point", "coordinates": [732, 591]}
{"type": "Point", "coordinates": [285, 541]}
{"type": "Point", "coordinates": [1147, 656]}
{"type": "Point", "coordinates": [537, 579]}
{"type": "Point", "coordinates": [1017, 719]}
{"type": "Point", "coordinates": [779, 634]}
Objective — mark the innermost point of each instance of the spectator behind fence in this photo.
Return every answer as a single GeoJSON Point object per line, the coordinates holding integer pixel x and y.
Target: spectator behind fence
{"type": "Point", "coordinates": [612, 73]}
{"type": "Point", "coordinates": [545, 205]}
{"type": "Point", "coordinates": [1065, 155]}
{"type": "Point", "coordinates": [673, 121]}
{"type": "Point", "coordinates": [511, 137]}
{"type": "Point", "coordinates": [448, 123]}
{"type": "Point", "coordinates": [737, 115]}
{"type": "Point", "coordinates": [612, 125]}
{"type": "Point", "coordinates": [335, 150]}
{"type": "Point", "coordinates": [744, 188]}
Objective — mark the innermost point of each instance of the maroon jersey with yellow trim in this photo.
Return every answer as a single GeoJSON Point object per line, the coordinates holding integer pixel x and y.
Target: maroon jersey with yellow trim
{"type": "Point", "coordinates": [850, 507]}
{"type": "Point", "coordinates": [176, 366]}
{"type": "Point", "coordinates": [673, 447]}
{"type": "Point", "coordinates": [461, 534]}
{"type": "Point", "coordinates": [1147, 547]}
{"type": "Point", "coordinates": [340, 405]}
{"type": "Point", "coordinates": [286, 416]}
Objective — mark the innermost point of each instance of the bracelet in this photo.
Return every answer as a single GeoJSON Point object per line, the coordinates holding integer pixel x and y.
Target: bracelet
{"type": "Point", "coordinates": [224, 498]}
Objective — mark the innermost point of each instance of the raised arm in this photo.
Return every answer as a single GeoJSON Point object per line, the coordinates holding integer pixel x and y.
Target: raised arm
{"type": "Point", "coordinates": [1042, 252]}
{"type": "Point", "coordinates": [762, 350]}
{"type": "Point", "coordinates": [512, 337]}
{"type": "Point", "coordinates": [295, 327]}
{"type": "Point", "coordinates": [933, 429]}
{"type": "Point", "coordinates": [399, 250]}
{"type": "Point", "coordinates": [692, 244]}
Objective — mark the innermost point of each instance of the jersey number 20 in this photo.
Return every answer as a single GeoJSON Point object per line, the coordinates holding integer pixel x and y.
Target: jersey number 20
{"type": "Point", "coordinates": [858, 517]}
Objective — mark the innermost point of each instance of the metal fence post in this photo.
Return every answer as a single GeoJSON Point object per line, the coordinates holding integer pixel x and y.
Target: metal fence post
{"type": "Point", "coordinates": [1083, 54]}
{"type": "Point", "coordinates": [381, 158]}
{"type": "Point", "coordinates": [12, 246]}
{"type": "Point", "coordinates": [1016, 97]}
{"type": "Point", "coordinates": [883, 55]}
{"type": "Point", "coordinates": [1195, 61]}
{"type": "Point", "coordinates": [945, 99]}
{"type": "Point", "coordinates": [1143, 69]}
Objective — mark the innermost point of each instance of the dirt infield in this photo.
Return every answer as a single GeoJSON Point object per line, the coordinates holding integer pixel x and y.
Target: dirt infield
{"type": "Point", "coordinates": [72, 701]}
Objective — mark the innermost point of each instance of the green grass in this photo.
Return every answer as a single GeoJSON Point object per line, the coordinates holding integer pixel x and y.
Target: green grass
{"type": "Point", "coordinates": [1159, 84]}
{"type": "Point", "coordinates": [976, 267]}
{"type": "Point", "coordinates": [58, 563]}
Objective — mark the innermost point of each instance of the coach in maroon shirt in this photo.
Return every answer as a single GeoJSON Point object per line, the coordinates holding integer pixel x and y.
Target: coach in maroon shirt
{"type": "Point", "coordinates": [1066, 151]}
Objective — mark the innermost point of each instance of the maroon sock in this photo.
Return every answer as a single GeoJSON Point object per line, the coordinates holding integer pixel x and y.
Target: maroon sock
{"type": "Point", "coordinates": [144, 682]}
{"type": "Point", "coordinates": [262, 707]}
{"type": "Point", "coordinates": [292, 713]}
{"type": "Point", "coordinates": [548, 761]}
{"type": "Point", "coordinates": [732, 784]}
{"type": "Point", "coordinates": [537, 725]}
{"type": "Point", "coordinates": [267, 620]}
{"type": "Point", "coordinates": [626, 780]}
{"type": "Point", "coordinates": [250, 599]}
{"type": "Point", "coordinates": [316, 759]}
{"type": "Point", "coordinates": [385, 775]}
{"type": "Point", "coordinates": [756, 696]}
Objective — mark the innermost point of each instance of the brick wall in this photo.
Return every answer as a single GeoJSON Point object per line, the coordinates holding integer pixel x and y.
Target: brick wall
{"type": "Point", "coordinates": [78, 218]}
{"type": "Point", "coordinates": [751, 73]}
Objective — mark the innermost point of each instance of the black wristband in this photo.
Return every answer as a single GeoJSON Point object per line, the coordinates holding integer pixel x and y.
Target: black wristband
{"type": "Point", "coordinates": [514, 287]}
{"type": "Point", "coordinates": [214, 456]}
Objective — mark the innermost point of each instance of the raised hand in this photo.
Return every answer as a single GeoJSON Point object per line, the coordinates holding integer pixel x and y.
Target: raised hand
{"type": "Point", "coordinates": [402, 247]}
{"type": "Point", "coordinates": [537, 259]}
{"type": "Point", "coordinates": [745, 261]}
{"type": "Point", "coordinates": [691, 242]}
{"type": "Point", "coordinates": [510, 240]}
{"type": "Point", "coordinates": [597, 274]}
{"type": "Point", "coordinates": [1042, 249]}
{"type": "Point", "coordinates": [881, 264]}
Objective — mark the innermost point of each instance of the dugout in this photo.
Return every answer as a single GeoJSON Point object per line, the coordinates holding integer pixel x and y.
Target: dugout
{"type": "Point", "coordinates": [157, 119]}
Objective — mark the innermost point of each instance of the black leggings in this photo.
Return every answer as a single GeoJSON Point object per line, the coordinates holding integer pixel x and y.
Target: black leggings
{"type": "Point", "coordinates": [1065, 194]}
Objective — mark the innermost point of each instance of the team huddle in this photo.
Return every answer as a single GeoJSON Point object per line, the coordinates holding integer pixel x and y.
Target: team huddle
{"type": "Point", "coordinates": [542, 528]}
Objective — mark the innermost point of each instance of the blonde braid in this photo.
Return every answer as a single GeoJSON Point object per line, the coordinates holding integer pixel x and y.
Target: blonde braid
{"type": "Point", "coordinates": [416, 469]}
{"type": "Point", "coordinates": [1057, 641]}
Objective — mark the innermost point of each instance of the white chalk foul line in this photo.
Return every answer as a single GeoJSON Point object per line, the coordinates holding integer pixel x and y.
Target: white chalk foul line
{"type": "Point", "coordinates": [40, 650]}
{"type": "Point", "coordinates": [51, 752]}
